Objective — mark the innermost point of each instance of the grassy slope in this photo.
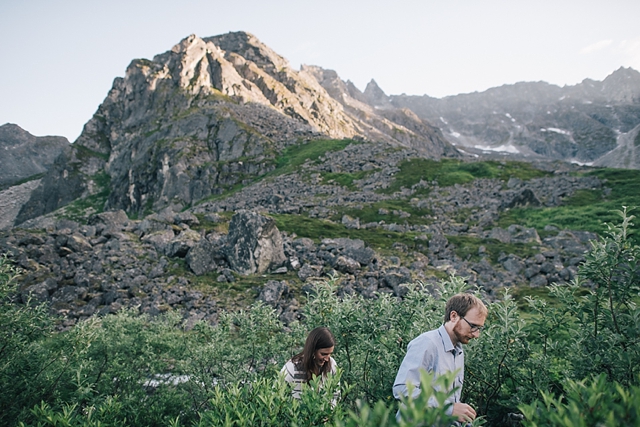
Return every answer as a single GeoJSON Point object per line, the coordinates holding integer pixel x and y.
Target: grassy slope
{"type": "Point", "coordinates": [586, 210]}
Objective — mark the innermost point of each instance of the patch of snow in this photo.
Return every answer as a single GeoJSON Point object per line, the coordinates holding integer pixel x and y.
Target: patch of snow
{"type": "Point", "coordinates": [562, 97]}
{"type": "Point", "coordinates": [560, 131]}
{"type": "Point", "coordinates": [505, 148]}
{"type": "Point", "coordinates": [455, 134]}
{"type": "Point", "coordinates": [509, 116]}
{"type": "Point", "coordinates": [443, 120]}
{"type": "Point", "coordinates": [466, 152]}
{"type": "Point", "coordinates": [575, 162]}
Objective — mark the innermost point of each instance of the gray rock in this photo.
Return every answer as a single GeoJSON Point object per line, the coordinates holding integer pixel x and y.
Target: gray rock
{"type": "Point", "coordinates": [307, 271]}
{"type": "Point", "coordinates": [203, 257]}
{"type": "Point", "coordinates": [500, 234]}
{"type": "Point", "coordinates": [513, 265]}
{"type": "Point", "coordinates": [438, 243]}
{"type": "Point", "coordinates": [273, 292]}
{"type": "Point", "coordinates": [161, 240]}
{"type": "Point", "coordinates": [254, 244]}
{"type": "Point", "coordinates": [363, 255]}
{"type": "Point", "coordinates": [180, 245]}
{"type": "Point", "coordinates": [351, 223]}
{"type": "Point", "coordinates": [347, 265]}
{"type": "Point", "coordinates": [538, 281]}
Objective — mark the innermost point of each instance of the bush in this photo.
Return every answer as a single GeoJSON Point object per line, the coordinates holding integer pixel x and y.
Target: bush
{"type": "Point", "coordinates": [573, 362]}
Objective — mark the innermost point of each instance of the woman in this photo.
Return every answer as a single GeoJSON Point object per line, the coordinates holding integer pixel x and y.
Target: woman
{"type": "Point", "coordinates": [314, 360]}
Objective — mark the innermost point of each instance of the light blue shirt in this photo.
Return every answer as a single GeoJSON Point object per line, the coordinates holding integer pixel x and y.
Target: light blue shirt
{"type": "Point", "coordinates": [434, 352]}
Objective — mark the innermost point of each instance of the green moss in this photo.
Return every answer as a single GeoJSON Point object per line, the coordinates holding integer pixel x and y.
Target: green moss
{"type": "Point", "coordinates": [447, 172]}
{"type": "Point", "coordinates": [84, 152]}
{"type": "Point", "coordinates": [371, 213]}
{"type": "Point", "coordinates": [318, 229]}
{"type": "Point", "coordinates": [295, 155]}
{"type": "Point", "coordinates": [344, 179]}
{"type": "Point", "coordinates": [587, 210]}
{"type": "Point", "coordinates": [466, 247]}
{"type": "Point", "coordinates": [80, 208]}
{"type": "Point", "coordinates": [24, 180]}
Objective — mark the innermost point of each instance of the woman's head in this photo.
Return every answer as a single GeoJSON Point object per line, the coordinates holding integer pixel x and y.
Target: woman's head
{"type": "Point", "coordinates": [317, 351]}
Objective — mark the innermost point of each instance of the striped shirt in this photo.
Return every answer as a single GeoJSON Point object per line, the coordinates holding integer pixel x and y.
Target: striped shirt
{"type": "Point", "coordinates": [294, 375]}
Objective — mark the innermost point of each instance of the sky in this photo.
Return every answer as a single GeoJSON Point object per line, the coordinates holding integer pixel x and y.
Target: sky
{"type": "Point", "coordinates": [59, 57]}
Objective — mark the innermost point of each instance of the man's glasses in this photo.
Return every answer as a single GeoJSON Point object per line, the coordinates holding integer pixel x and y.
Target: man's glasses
{"type": "Point", "coordinates": [473, 327]}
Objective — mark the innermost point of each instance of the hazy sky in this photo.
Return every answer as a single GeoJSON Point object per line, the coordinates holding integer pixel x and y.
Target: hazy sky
{"type": "Point", "coordinates": [59, 57]}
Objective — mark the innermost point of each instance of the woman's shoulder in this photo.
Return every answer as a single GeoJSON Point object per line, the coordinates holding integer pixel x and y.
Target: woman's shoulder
{"type": "Point", "coordinates": [292, 368]}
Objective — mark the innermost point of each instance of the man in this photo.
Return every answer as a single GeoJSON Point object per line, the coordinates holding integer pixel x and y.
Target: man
{"type": "Point", "coordinates": [440, 351]}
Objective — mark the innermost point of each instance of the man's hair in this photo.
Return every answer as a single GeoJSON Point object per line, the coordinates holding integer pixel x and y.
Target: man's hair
{"type": "Point", "coordinates": [461, 304]}
{"type": "Point", "coordinates": [317, 339]}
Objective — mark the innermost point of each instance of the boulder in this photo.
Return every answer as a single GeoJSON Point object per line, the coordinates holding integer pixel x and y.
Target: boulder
{"type": "Point", "coordinates": [110, 222]}
{"type": "Point", "coordinates": [525, 198]}
{"type": "Point", "coordinates": [204, 256]}
{"type": "Point", "coordinates": [344, 264]}
{"type": "Point", "coordinates": [273, 292]}
{"type": "Point", "coordinates": [254, 244]}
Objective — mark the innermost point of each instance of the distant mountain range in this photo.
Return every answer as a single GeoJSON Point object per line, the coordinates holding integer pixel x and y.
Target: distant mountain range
{"type": "Point", "coordinates": [215, 112]}
{"type": "Point", "coordinates": [593, 122]}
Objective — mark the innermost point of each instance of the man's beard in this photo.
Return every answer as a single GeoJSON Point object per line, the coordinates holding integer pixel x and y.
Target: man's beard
{"type": "Point", "coordinates": [462, 338]}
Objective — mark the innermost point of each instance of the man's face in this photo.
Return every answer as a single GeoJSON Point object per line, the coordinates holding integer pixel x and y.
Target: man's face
{"type": "Point", "coordinates": [464, 328]}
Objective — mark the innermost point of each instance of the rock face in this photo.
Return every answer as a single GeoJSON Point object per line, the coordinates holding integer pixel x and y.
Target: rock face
{"type": "Point", "coordinates": [24, 155]}
{"type": "Point", "coordinates": [254, 244]}
{"type": "Point", "coordinates": [581, 123]}
{"type": "Point", "coordinates": [204, 116]}
{"type": "Point", "coordinates": [398, 126]}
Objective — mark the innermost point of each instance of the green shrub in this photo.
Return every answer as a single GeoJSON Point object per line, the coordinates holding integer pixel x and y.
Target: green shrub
{"type": "Point", "coordinates": [575, 361]}
{"type": "Point", "coordinates": [596, 402]}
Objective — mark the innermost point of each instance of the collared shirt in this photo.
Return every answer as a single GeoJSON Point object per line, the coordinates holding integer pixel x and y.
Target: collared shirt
{"type": "Point", "coordinates": [434, 352]}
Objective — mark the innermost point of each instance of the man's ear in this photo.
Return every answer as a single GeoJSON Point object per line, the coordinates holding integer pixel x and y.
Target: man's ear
{"type": "Point", "coordinates": [453, 316]}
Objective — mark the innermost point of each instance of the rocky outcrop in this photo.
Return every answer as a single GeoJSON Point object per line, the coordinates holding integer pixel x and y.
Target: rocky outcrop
{"type": "Point", "coordinates": [397, 126]}
{"type": "Point", "coordinates": [254, 244]}
{"type": "Point", "coordinates": [206, 115]}
{"type": "Point", "coordinates": [25, 156]}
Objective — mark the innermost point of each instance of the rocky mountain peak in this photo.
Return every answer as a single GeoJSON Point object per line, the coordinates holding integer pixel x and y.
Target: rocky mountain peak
{"type": "Point", "coordinates": [208, 114]}
{"type": "Point", "coordinates": [623, 85]}
{"type": "Point", "coordinates": [249, 47]}
{"type": "Point", "coordinates": [375, 95]}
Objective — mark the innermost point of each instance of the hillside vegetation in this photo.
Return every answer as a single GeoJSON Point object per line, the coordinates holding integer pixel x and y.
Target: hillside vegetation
{"type": "Point", "coordinates": [576, 361]}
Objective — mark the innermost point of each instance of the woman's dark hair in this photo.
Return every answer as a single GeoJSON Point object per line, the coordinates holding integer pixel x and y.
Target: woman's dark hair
{"type": "Point", "coordinates": [318, 338]}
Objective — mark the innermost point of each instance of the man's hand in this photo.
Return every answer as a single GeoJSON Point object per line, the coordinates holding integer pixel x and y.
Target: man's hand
{"type": "Point", "coordinates": [464, 412]}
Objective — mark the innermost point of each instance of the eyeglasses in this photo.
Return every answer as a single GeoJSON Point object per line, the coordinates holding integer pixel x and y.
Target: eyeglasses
{"type": "Point", "coordinates": [473, 327]}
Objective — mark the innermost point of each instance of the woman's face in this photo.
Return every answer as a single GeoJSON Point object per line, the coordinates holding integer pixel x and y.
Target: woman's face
{"type": "Point", "coordinates": [322, 356]}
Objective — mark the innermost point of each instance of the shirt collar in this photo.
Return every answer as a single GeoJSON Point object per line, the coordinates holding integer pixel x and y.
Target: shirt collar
{"type": "Point", "coordinates": [446, 341]}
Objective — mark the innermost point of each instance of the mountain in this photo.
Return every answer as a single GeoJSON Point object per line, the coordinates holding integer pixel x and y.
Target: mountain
{"type": "Point", "coordinates": [24, 160]}
{"type": "Point", "coordinates": [214, 173]}
{"type": "Point", "coordinates": [537, 120]}
{"type": "Point", "coordinates": [216, 112]}
{"type": "Point", "coordinates": [205, 116]}
{"type": "Point", "coordinates": [25, 155]}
